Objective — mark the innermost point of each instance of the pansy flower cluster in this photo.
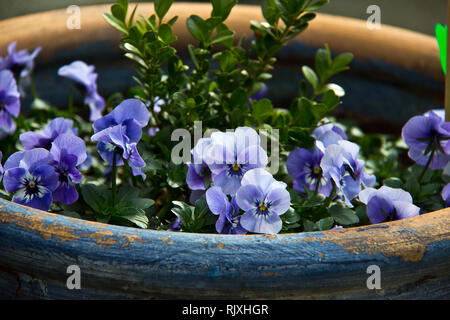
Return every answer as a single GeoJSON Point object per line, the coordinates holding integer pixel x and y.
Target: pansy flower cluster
{"type": "Point", "coordinates": [234, 163]}
{"type": "Point", "coordinates": [48, 167]}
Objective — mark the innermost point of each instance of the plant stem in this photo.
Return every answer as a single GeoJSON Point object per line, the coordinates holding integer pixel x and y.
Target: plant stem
{"type": "Point", "coordinates": [427, 165]}
{"type": "Point", "coordinates": [316, 191]}
{"type": "Point", "coordinates": [332, 195]}
{"type": "Point", "coordinates": [33, 88]}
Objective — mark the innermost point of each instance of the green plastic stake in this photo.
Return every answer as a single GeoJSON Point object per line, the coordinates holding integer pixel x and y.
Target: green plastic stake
{"type": "Point", "coordinates": [441, 36]}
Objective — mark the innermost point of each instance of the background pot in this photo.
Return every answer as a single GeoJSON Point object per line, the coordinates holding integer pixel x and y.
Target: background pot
{"type": "Point", "coordinates": [396, 74]}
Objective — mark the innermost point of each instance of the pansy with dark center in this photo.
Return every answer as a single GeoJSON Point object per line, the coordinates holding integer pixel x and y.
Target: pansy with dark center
{"type": "Point", "coordinates": [428, 137]}
{"type": "Point", "coordinates": [231, 154]}
{"type": "Point", "coordinates": [340, 163]}
{"type": "Point", "coordinates": [304, 168]}
{"type": "Point", "coordinates": [263, 199]}
{"type": "Point", "coordinates": [387, 204]}
{"type": "Point", "coordinates": [228, 221]}
{"type": "Point", "coordinates": [44, 140]}
{"type": "Point", "coordinates": [31, 177]}
{"type": "Point", "coordinates": [9, 103]}
{"type": "Point", "coordinates": [119, 132]}
{"type": "Point", "coordinates": [84, 75]}
{"type": "Point", "coordinates": [69, 151]}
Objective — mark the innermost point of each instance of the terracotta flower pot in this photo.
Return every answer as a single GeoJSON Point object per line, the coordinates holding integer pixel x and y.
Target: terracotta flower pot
{"type": "Point", "coordinates": [396, 74]}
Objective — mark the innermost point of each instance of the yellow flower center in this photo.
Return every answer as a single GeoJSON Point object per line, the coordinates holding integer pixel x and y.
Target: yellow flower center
{"type": "Point", "coordinates": [32, 185]}
{"type": "Point", "coordinates": [262, 207]}
{"type": "Point", "coordinates": [235, 168]}
{"type": "Point", "coordinates": [316, 170]}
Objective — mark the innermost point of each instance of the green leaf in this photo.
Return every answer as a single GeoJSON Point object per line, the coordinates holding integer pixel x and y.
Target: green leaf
{"type": "Point", "coordinates": [323, 61]}
{"type": "Point", "coordinates": [262, 109]}
{"type": "Point", "coordinates": [317, 5]}
{"type": "Point", "coordinates": [343, 215]}
{"type": "Point", "coordinates": [238, 99]}
{"type": "Point", "coordinates": [94, 197]}
{"type": "Point", "coordinates": [166, 34]}
{"type": "Point", "coordinates": [302, 113]}
{"type": "Point", "coordinates": [118, 12]}
{"type": "Point", "coordinates": [311, 76]}
{"type": "Point", "coordinates": [324, 224]}
{"type": "Point", "coordinates": [199, 29]}
{"type": "Point", "coordinates": [162, 7]}
{"type": "Point", "coordinates": [136, 216]}
{"type": "Point", "coordinates": [394, 183]}
{"type": "Point", "coordinates": [115, 23]}
{"type": "Point", "coordinates": [341, 62]}
{"type": "Point", "coordinates": [224, 36]}
{"type": "Point", "coordinates": [302, 137]}
{"type": "Point", "coordinates": [123, 3]}
{"type": "Point", "coordinates": [270, 11]}
{"type": "Point", "coordinates": [222, 8]}
{"type": "Point", "coordinates": [337, 89]}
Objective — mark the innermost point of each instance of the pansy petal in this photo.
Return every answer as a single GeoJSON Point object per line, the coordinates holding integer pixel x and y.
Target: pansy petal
{"type": "Point", "coordinates": [248, 196]}
{"type": "Point", "coordinates": [405, 210]}
{"type": "Point", "coordinates": [270, 224]}
{"type": "Point", "coordinates": [379, 208]}
{"type": "Point", "coordinates": [279, 200]}
{"type": "Point", "coordinates": [217, 201]}
{"type": "Point", "coordinates": [66, 193]}
{"type": "Point", "coordinates": [12, 181]}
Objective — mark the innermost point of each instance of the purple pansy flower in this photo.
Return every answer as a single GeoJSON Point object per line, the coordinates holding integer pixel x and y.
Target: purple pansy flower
{"type": "Point", "coordinates": [231, 154]}
{"type": "Point", "coordinates": [263, 199]}
{"type": "Point", "coordinates": [328, 134]}
{"type": "Point", "coordinates": [446, 195]}
{"type": "Point", "coordinates": [304, 168]}
{"type": "Point", "coordinates": [228, 221]}
{"type": "Point", "coordinates": [31, 177]}
{"type": "Point", "coordinates": [387, 204]}
{"type": "Point", "coordinates": [341, 164]}
{"type": "Point", "coordinates": [69, 151]}
{"type": "Point", "coordinates": [198, 172]}
{"type": "Point", "coordinates": [9, 103]}
{"type": "Point", "coordinates": [84, 74]}
{"type": "Point", "coordinates": [20, 63]}
{"type": "Point", "coordinates": [119, 132]}
{"type": "Point", "coordinates": [427, 136]}
{"type": "Point", "coordinates": [44, 140]}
